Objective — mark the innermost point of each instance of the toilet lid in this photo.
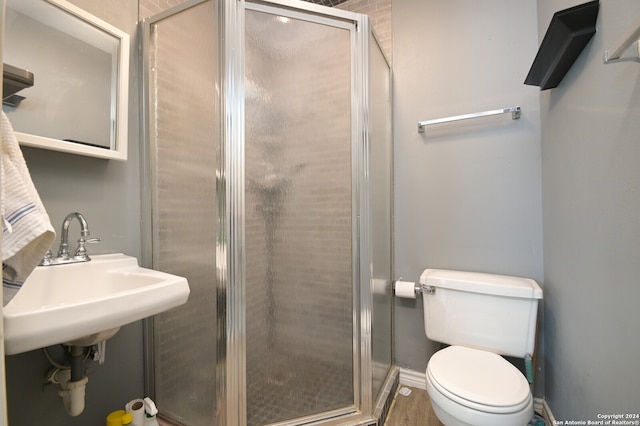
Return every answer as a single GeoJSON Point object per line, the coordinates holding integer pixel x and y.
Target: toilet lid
{"type": "Point", "coordinates": [478, 379]}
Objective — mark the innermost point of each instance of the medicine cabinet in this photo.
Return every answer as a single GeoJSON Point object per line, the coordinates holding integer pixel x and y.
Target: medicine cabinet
{"type": "Point", "coordinates": [76, 92]}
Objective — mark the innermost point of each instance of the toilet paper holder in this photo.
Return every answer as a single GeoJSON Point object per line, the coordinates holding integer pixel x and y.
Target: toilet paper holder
{"type": "Point", "coordinates": [429, 289]}
{"type": "Point", "coordinates": [420, 288]}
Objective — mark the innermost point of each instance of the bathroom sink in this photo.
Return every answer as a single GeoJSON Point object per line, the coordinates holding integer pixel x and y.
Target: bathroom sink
{"type": "Point", "coordinates": [85, 303]}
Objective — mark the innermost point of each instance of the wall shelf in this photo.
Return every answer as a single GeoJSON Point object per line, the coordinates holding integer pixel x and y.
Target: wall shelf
{"type": "Point", "coordinates": [15, 79]}
{"type": "Point", "coordinates": [569, 32]}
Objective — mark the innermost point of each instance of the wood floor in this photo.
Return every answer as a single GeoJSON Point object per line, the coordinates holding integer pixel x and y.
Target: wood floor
{"type": "Point", "coordinates": [412, 410]}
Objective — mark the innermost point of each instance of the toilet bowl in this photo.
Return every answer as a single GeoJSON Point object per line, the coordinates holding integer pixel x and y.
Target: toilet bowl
{"type": "Point", "coordinates": [471, 387]}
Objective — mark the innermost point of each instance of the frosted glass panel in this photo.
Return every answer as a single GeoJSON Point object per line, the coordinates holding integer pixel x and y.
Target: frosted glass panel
{"type": "Point", "coordinates": [184, 147]}
{"type": "Point", "coordinates": [381, 202]}
{"type": "Point", "coordinates": [299, 267]}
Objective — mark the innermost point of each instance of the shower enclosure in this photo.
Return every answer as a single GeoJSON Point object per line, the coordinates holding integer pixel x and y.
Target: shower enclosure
{"type": "Point", "coordinates": [269, 164]}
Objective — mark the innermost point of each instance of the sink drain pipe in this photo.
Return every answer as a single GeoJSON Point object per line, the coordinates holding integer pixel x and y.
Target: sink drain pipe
{"type": "Point", "coordinates": [72, 382]}
{"type": "Point", "coordinates": [76, 356]}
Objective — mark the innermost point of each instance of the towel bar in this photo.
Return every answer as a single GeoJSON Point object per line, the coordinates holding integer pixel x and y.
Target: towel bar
{"type": "Point", "coordinates": [515, 114]}
{"type": "Point", "coordinates": [631, 39]}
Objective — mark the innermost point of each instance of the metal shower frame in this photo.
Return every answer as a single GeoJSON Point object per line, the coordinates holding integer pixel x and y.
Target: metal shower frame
{"type": "Point", "coordinates": [231, 286]}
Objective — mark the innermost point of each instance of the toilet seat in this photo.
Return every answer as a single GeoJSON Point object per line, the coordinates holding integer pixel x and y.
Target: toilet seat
{"type": "Point", "coordinates": [479, 380]}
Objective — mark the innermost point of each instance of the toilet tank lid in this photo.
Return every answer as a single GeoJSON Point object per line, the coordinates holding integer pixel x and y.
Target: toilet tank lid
{"type": "Point", "coordinates": [477, 282]}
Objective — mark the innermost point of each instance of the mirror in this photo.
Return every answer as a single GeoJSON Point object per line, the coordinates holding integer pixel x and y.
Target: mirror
{"type": "Point", "coordinates": [79, 67]}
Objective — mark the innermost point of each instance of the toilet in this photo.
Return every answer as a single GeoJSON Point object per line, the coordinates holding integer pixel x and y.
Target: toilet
{"type": "Point", "coordinates": [481, 317]}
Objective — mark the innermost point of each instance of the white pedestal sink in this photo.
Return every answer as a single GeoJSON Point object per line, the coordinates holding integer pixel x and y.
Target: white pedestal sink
{"type": "Point", "coordinates": [85, 303]}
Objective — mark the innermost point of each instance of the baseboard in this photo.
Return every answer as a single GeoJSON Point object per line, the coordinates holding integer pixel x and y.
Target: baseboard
{"type": "Point", "coordinates": [413, 378]}
{"type": "Point", "coordinates": [541, 408]}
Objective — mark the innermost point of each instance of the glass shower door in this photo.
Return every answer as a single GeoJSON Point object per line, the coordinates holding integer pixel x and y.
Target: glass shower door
{"type": "Point", "coordinates": [381, 190]}
{"type": "Point", "coordinates": [183, 110]}
{"type": "Point", "coordinates": [299, 230]}
{"type": "Point", "coordinates": [271, 179]}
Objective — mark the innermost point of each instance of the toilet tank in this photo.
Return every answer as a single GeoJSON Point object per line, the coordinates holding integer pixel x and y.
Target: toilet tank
{"type": "Point", "coordinates": [496, 313]}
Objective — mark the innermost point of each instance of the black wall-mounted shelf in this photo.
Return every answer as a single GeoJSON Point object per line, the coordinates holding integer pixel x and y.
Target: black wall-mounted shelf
{"type": "Point", "coordinates": [569, 32]}
{"type": "Point", "coordinates": [15, 79]}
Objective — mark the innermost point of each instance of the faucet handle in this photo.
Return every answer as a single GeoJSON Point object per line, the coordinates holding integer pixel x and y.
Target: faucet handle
{"type": "Point", "coordinates": [81, 251]}
{"type": "Point", "coordinates": [46, 260]}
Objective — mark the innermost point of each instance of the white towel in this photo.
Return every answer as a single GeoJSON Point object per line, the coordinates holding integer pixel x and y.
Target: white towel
{"type": "Point", "coordinates": [27, 233]}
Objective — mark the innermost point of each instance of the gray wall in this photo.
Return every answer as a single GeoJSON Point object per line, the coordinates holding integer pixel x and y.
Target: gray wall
{"type": "Point", "coordinates": [108, 194]}
{"type": "Point", "coordinates": [467, 194]}
{"type": "Point", "coordinates": [591, 198]}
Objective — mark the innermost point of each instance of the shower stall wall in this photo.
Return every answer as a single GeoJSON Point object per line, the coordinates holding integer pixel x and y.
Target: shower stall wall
{"type": "Point", "coordinates": [269, 138]}
{"type": "Point", "coordinates": [298, 216]}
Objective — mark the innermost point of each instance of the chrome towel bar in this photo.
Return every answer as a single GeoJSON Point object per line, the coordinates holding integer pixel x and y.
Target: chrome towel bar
{"type": "Point", "coordinates": [515, 114]}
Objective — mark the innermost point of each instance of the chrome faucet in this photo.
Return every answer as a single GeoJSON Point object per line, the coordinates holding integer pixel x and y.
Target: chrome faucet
{"type": "Point", "coordinates": [80, 254]}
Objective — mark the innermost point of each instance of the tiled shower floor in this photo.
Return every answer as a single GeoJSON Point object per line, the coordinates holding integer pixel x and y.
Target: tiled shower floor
{"type": "Point", "coordinates": [295, 387]}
